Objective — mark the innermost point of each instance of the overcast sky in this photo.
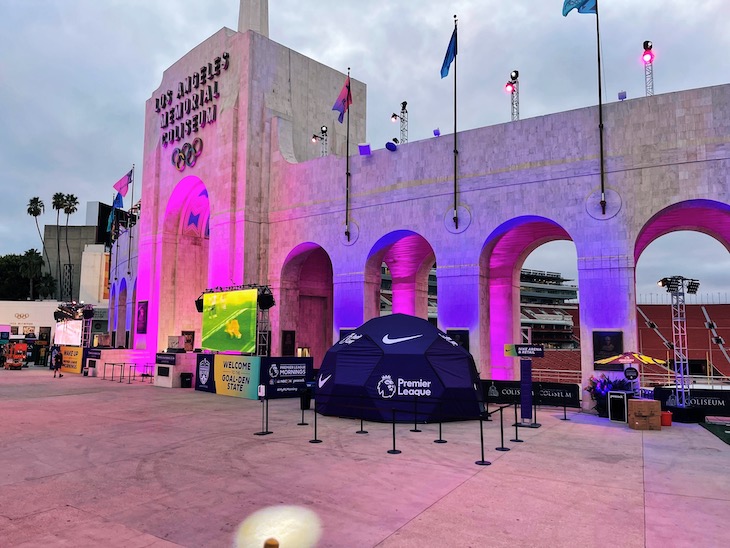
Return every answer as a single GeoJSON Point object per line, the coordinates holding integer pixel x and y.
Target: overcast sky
{"type": "Point", "coordinates": [75, 74]}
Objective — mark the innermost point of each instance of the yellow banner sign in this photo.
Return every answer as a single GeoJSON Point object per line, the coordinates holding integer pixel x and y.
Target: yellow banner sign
{"type": "Point", "coordinates": [72, 362]}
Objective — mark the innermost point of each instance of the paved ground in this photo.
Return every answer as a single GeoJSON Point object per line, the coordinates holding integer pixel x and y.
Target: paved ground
{"type": "Point", "coordinates": [88, 462]}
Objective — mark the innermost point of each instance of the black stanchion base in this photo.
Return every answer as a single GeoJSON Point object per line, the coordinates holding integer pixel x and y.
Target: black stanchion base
{"type": "Point", "coordinates": [528, 424]}
{"type": "Point", "coordinates": [565, 419]}
{"type": "Point", "coordinates": [315, 441]}
{"type": "Point", "coordinates": [361, 432]}
{"type": "Point", "coordinates": [394, 451]}
{"type": "Point", "coordinates": [416, 430]}
{"type": "Point", "coordinates": [502, 448]}
{"type": "Point", "coordinates": [482, 462]}
{"type": "Point", "coordinates": [263, 433]}
{"type": "Point", "coordinates": [440, 441]}
{"type": "Point", "coordinates": [517, 441]}
{"type": "Point", "coordinates": [302, 424]}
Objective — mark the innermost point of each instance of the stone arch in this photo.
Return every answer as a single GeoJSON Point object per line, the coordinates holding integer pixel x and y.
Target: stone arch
{"type": "Point", "coordinates": [306, 300]}
{"type": "Point", "coordinates": [706, 216]}
{"type": "Point", "coordinates": [410, 258]}
{"type": "Point", "coordinates": [500, 262]}
{"type": "Point", "coordinates": [184, 259]}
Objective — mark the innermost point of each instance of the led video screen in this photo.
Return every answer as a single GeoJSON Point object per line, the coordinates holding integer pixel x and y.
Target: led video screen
{"type": "Point", "coordinates": [229, 321]}
{"type": "Point", "coordinates": [68, 333]}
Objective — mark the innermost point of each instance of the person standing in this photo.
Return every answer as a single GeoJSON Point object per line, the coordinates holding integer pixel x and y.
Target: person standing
{"type": "Point", "coordinates": [57, 363]}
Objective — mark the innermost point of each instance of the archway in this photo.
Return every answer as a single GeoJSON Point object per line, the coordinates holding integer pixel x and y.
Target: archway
{"type": "Point", "coordinates": [501, 260]}
{"type": "Point", "coordinates": [184, 260]}
{"type": "Point", "coordinates": [406, 260]}
{"type": "Point", "coordinates": [121, 316]}
{"type": "Point", "coordinates": [306, 303]}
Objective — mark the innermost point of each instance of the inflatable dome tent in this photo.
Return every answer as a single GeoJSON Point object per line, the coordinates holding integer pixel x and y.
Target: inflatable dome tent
{"type": "Point", "coordinates": [400, 364]}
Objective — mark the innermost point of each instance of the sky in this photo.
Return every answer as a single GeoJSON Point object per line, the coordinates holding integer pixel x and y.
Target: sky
{"type": "Point", "coordinates": [75, 74]}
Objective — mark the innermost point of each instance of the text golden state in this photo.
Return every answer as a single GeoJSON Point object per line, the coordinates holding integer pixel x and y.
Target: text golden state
{"type": "Point", "coordinates": [236, 374]}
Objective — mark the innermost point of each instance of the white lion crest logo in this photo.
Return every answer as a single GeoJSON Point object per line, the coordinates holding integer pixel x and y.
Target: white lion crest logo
{"type": "Point", "coordinates": [386, 387]}
{"type": "Point", "coordinates": [274, 371]}
{"type": "Point", "coordinates": [204, 370]}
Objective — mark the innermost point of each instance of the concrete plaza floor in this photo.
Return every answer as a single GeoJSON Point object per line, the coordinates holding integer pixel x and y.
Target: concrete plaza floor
{"type": "Point", "coordinates": [89, 462]}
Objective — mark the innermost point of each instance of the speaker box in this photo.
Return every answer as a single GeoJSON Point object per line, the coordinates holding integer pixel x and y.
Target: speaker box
{"type": "Point", "coordinates": [199, 303]}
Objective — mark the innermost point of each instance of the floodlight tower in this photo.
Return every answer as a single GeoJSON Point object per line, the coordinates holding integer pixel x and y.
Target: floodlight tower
{"type": "Point", "coordinates": [675, 285]}
{"type": "Point", "coordinates": [513, 88]}
{"type": "Point", "coordinates": [648, 59]}
{"type": "Point", "coordinates": [403, 117]}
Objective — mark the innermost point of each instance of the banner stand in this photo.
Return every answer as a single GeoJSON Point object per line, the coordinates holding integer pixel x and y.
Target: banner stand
{"type": "Point", "coordinates": [264, 419]}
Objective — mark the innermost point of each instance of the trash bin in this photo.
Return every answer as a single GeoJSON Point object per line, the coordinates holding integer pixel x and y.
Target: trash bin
{"type": "Point", "coordinates": [666, 418]}
{"type": "Point", "coordinates": [186, 380]}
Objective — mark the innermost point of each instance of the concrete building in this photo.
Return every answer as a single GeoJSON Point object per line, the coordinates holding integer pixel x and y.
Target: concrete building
{"type": "Point", "coordinates": [232, 194]}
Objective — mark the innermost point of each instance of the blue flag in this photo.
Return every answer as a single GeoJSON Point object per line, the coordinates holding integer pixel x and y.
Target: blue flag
{"type": "Point", "coordinates": [344, 100]}
{"type": "Point", "coordinates": [583, 6]}
{"type": "Point", "coordinates": [450, 55]}
{"type": "Point", "coordinates": [118, 204]}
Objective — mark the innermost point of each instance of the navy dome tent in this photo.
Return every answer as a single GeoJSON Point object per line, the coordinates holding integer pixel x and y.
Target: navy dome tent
{"type": "Point", "coordinates": [394, 362]}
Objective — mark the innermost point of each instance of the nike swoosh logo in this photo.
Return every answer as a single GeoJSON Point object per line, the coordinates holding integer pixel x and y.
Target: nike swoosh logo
{"type": "Point", "coordinates": [388, 340]}
{"type": "Point", "coordinates": [323, 380]}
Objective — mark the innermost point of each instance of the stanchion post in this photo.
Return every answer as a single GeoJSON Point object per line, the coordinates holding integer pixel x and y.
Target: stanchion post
{"type": "Point", "coordinates": [535, 424]}
{"type": "Point", "coordinates": [565, 415]}
{"type": "Point", "coordinates": [264, 418]}
{"type": "Point", "coordinates": [315, 440]}
{"type": "Point", "coordinates": [501, 432]}
{"type": "Point", "coordinates": [482, 462]}
{"type": "Point", "coordinates": [489, 415]}
{"type": "Point", "coordinates": [302, 423]}
{"type": "Point", "coordinates": [393, 451]}
{"type": "Point", "coordinates": [415, 415]}
{"type": "Point", "coordinates": [440, 440]}
{"type": "Point", "coordinates": [362, 430]}
{"type": "Point", "coordinates": [517, 435]}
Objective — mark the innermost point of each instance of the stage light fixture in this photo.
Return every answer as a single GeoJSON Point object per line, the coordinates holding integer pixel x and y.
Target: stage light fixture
{"type": "Point", "coordinates": [651, 325]}
{"type": "Point", "coordinates": [323, 130]}
{"type": "Point", "coordinates": [391, 146]}
{"type": "Point", "coordinates": [364, 149]}
{"type": "Point", "coordinates": [509, 87]}
{"type": "Point", "coordinates": [718, 340]}
{"type": "Point", "coordinates": [514, 75]}
{"type": "Point", "coordinates": [266, 298]}
{"type": "Point", "coordinates": [394, 117]}
{"type": "Point", "coordinates": [710, 325]}
{"type": "Point", "coordinates": [437, 132]}
{"type": "Point", "coordinates": [621, 95]}
{"type": "Point", "coordinates": [648, 56]}
{"type": "Point", "coordinates": [199, 303]}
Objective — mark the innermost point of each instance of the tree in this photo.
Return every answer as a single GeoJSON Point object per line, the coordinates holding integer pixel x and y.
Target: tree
{"type": "Point", "coordinates": [46, 286]}
{"type": "Point", "coordinates": [31, 268]}
{"type": "Point", "coordinates": [70, 206]}
{"type": "Point", "coordinates": [58, 203]}
{"type": "Point", "coordinates": [36, 208]}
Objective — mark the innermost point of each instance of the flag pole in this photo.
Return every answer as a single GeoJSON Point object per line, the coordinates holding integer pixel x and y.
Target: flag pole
{"type": "Point", "coordinates": [347, 159]}
{"type": "Point", "coordinates": [600, 116]}
{"type": "Point", "coordinates": [129, 227]}
{"type": "Point", "coordinates": [456, 150]}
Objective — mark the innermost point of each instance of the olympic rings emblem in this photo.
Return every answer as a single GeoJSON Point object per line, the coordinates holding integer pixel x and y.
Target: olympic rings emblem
{"type": "Point", "coordinates": [186, 156]}
{"type": "Point", "coordinates": [21, 316]}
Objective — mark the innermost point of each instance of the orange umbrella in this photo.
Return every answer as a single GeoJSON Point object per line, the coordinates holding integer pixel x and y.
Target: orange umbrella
{"type": "Point", "coordinates": [631, 358]}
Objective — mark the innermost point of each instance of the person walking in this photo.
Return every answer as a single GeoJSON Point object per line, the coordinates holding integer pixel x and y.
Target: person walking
{"type": "Point", "coordinates": [57, 363]}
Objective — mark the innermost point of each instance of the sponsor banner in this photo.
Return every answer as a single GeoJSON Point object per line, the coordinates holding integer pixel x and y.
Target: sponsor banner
{"type": "Point", "coordinates": [526, 389]}
{"type": "Point", "coordinates": [543, 393]}
{"type": "Point", "coordinates": [285, 377]}
{"type": "Point", "coordinates": [229, 320]}
{"type": "Point", "coordinates": [236, 375]}
{"type": "Point", "coordinates": [709, 402]}
{"type": "Point", "coordinates": [519, 350]}
{"type": "Point", "coordinates": [72, 356]}
{"type": "Point", "coordinates": [205, 373]}
{"type": "Point", "coordinates": [92, 353]}
{"type": "Point", "coordinates": [165, 359]}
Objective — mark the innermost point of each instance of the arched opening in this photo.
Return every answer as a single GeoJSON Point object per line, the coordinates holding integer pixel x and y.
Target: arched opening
{"type": "Point", "coordinates": [501, 260]}
{"type": "Point", "coordinates": [400, 277]}
{"type": "Point", "coordinates": [306, 303]}
{"type": "Point", "coordinates": [185, 248]}
{"type": "Point", "coordinates": [121, 316]}
{"type": "Point", "coordinates": [689, 240]}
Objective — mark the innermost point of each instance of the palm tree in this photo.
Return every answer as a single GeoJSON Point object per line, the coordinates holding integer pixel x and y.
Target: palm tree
{"type": "Point", "coordinates": [36, 208]}
{"type": "Point", "coordinates": [46, 286]}
{"type": "Point", "coordinates": [31, 267]}
{"type": "Point", "coordinates": [58, 203]}
{"type": "Point", "coordinates": [70, 204]}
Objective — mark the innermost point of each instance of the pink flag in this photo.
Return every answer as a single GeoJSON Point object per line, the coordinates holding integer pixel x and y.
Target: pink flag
{"type": "Point", "coordinates": [122, 185]}
{"type": "Point", "coordinates": [344, 100]}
